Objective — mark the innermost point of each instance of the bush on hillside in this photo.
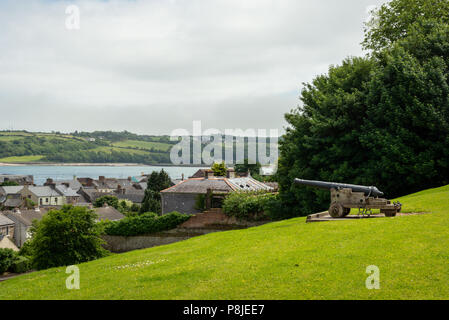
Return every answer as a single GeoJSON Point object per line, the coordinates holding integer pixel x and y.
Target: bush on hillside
{"type": "Point", "coordinates": [146, 223]}
{"type": "Point", "coordinates": [20, 264]}
{"type": "Point", "coordinates": [7, 257]}
{"type": "Point", "coordinates": [252, 206]}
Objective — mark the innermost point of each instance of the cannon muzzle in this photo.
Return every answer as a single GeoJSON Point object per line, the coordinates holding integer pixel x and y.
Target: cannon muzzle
{"type": "Point", "coordinates": [368, 191]}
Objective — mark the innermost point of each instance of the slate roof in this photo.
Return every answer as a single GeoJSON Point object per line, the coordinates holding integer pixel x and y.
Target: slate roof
{"type": "Point", "coordinates": [218, 184]}
{"type": "Point", "coordinates": [248, 184]}
{"type": "Point", "coordinates": [4, 221]}
{"type": "Point", "coordinates": [65, 191]}
{"type": "Point", "coordinates": [44, 191]}
{"type": "Point", "coordinates": [200, 185]}
{"type": "Point", "coordinates": [13, 202]}
{"type": "Point", "coordinates": [26, 216]}
{"type": "Point", "coordinates": [135, 197]}
{"type": "Point", "coordinates": [108, 213]}
{"type": "Point", "coordinates": [17, 178]}
{"type": "Point", "coordinates": [73, 184]}
{"type": "Point", "coordinates": [11, 189]}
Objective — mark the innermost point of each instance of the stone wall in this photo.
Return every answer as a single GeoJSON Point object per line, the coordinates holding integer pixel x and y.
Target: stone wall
{"type": "Point", "coordinates": [197, 225]}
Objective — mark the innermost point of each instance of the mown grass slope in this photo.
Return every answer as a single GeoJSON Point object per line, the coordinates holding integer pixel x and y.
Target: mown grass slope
{"type": "Point", "coordinates": [282, 260]}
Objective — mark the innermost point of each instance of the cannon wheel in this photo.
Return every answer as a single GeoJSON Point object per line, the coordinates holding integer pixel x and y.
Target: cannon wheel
{"type": "Point", "coordinates": [336, 210]}
{"type": "Point", "coordinates": [390, 213]}
{"type": "Point", "coordinates": [346, 211]}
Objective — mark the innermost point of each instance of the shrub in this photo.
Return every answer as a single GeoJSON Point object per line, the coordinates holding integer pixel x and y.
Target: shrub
{"type": "Point", "coordinates": [20, 265]}
{"type": "Point", "coordinates": [252, 205]}
{"type": "Point", "coordinates": [7, 257]}
{"type": "Point", "coordinates": [144, 224]}
{"type": "Point", "coordinates": [26, 250]}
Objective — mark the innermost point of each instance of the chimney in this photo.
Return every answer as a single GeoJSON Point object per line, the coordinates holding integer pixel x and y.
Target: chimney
{"type": "Point", "coordinates": [66, 184]}
{"type": "Point", "coordinates": [230, 173]}
{"type": "Point", "coordinates": [208, 174]}
{"type": "Point", "coordinates": [101, 178]}
{"type": "Point", "coordinates": [182, 177]}
{"type": "Point", "coordinates": [49, 181]}
{"type": "Point", "coordinates": [105, 205]}
{"type": "Point", "coordinates": [129, 179]}
{"type": "Point", "coordinates": [17, 210]}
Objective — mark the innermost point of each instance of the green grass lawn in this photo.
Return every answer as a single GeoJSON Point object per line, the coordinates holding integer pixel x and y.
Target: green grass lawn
{"type": "Point", "coordinates": [21, 159]}
{"type": "Point", "coordinates": [282, 260]}
{"type": "Point", "coordinates": [143, 145]}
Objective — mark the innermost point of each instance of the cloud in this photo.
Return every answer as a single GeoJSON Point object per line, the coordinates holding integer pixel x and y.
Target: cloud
{"type": "Point", "coordinates": [153, 66]}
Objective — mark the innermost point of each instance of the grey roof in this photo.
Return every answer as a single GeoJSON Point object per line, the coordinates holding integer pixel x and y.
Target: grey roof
{"type": "Point", "coordinates": [4, 221]}
{"type": "Point", "coordinates": [44, 191]}
{"type": "Point", "coordinates": [65, 191]}
{"type": "Point", "coordinates": [135, 197]}
{"type": "Point", "coordinates": [11, 189]}
{"type": "Point", "coordinates": [73, 184]}
{"type": "Point", "coordinates": [108, 213]}
{"type": "Point", "coordinates": [26, 216]}
{"type": "Point", "coordinates": [17, 178]}
{"type": "Point", "coordinates": [248, 184]}
{"type": "Point", "coordinates": [200, 185]}
{"type": "Point", "coordinates": [13, 203]}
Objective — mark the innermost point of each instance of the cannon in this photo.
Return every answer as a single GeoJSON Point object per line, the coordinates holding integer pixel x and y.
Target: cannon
{"type": "Point", "coordinates": [344, 197]}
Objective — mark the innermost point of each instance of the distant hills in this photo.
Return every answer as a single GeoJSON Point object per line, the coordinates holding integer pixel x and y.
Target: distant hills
{"type": "Point", "coordinates": [85, 147]}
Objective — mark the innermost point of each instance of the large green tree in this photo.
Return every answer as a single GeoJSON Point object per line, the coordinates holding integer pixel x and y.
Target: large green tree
{"type": "Point", "coordinates": [157, 181]}
{"type": "Point", "coordinates": [66, 237]}
{"type": "Point", "coordinates": [322, 141]}
{"type": "Point", "coordinates": [380, 120]}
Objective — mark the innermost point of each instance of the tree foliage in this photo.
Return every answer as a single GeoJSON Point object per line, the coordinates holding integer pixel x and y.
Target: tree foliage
{"type": "Point", "coordinates": [65, 237]}
{"type": "Point", "coordinates": [395, 19]}
{"type": "Point", "coordinates": [157, 181]}
{"type": "Point", "coordinates": [219, 169]}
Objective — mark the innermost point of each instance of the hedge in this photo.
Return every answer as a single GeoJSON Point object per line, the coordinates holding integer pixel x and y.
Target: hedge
{"type": "Point", "coordinates": [146, 223]}
{"type": "Point", "coordinates": [252, 206]}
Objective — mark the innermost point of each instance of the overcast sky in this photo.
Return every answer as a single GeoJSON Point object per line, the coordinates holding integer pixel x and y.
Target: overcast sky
{"type": "Point", "coordinates": [154, 66]}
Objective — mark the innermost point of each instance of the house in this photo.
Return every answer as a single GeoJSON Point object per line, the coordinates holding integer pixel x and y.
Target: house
{"type": "Point", "coordinates": [7, 233]}
{"type": "Point", "coordinates": [19, 179]}
{"type": "Point", "coordinates": [43, 195]}
{"type": "Point", "coordinates": [23, 220]}
{"type": "Point", "coordinates": [132, 194]}
{"type": "Point", "coordinates": [184, 196]}
{"type": "Point", "coordinates": [108, 213]}
{"type": "Point", "coordinates": [10, 197]}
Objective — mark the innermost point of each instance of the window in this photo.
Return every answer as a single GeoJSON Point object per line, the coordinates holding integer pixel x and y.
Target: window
{"type": "Point", "coordinates": [46, 200]}
{"type": "Point", "coordinates": [40, 201]}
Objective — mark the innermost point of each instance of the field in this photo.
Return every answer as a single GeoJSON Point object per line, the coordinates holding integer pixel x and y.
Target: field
{"type": "Point", "coordinates": [148, 145]}
{"type": "Point", "coordinates": [282, 260]}
{"type": "Point", "coordinates": [21, 159]}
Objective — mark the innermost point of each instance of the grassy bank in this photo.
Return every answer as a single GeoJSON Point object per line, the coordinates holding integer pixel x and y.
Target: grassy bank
{"type": "Point", "coordinates": [283, 260]}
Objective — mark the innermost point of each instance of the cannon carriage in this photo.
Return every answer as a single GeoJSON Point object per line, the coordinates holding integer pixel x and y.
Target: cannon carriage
{"type": "Point", "coordinates": [345, 197]}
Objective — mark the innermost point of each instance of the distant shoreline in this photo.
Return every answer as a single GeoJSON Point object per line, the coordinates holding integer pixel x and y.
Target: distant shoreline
{"type": "Point", "coordinates": [79, 164]}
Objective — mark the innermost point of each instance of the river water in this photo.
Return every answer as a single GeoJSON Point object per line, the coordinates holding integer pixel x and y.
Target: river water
{"type": "Point", "coordinates": [42, 172]}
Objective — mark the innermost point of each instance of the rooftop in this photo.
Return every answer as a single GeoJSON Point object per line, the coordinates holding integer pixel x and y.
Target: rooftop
{"type": "Point", "coordinates": [4, 221]}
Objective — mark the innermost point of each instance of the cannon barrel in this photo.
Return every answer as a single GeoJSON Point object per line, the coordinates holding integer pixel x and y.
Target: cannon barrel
{"type": "Point", "coordinates": [368, 191]}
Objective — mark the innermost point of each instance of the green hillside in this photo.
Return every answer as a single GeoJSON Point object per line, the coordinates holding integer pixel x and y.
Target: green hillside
{"type": "Point", "coordinates": [95, 147]}
{"type": "Point", "coordinates": [282, 260]}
